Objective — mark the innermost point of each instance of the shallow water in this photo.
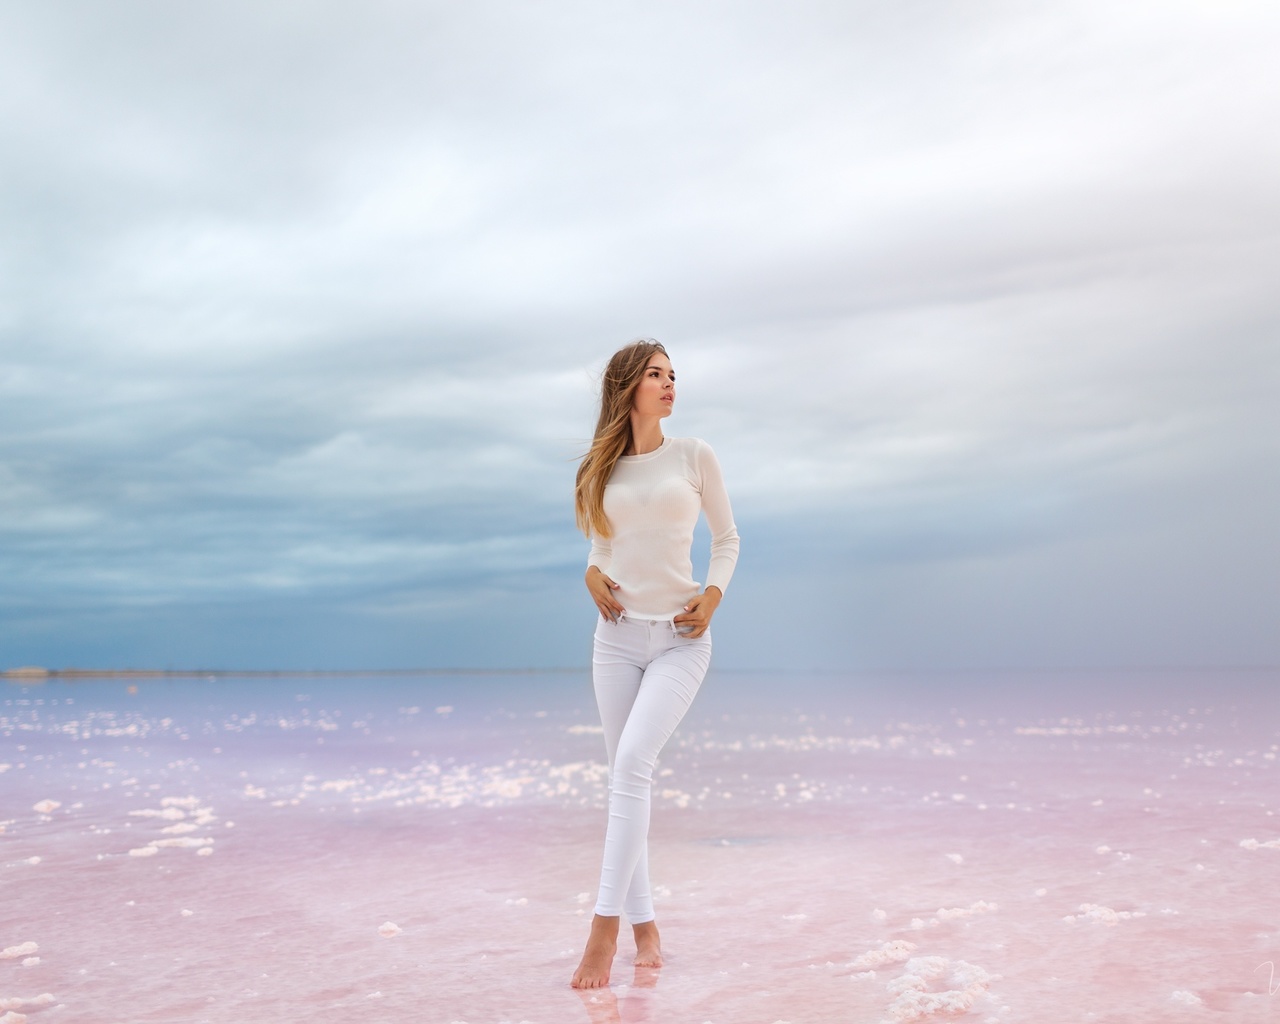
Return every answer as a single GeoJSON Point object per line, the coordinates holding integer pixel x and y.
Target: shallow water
{"type": "Point", "coordinates": [1042, 848]}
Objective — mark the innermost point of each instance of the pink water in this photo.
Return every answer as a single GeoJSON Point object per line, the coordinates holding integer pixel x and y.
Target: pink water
{"type": "Point", "coordinates": [1019, 848]}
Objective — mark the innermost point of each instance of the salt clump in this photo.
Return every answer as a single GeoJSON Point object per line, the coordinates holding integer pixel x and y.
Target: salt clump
{"type": "Point", "coordinates": [186, 842]}
{"type": "Point", "coordinates": [981, 907]}
{"type": "Point", "coordinates": [13, 952]}
{"type": "Point", "coordinates": [168, 813]}
{"type": "Point", "coordinates": [915, 999]}
{"type": "Point", "coordinates": [43, 999]}
{"type": "Point", "coordinates": [46, 806]}
{"type": "Point", "coordinates": [1187, 998]}
{"type": "Point", "coordinates": [1253, 844]}
{"type": "Point", "coordinates": [890, 953]}
{"type": "Point", "coordinates": [1097, 912]}
{"type": "Point", "coordinates": [143, 851]}
{"type": "Point", "coordinates": [389, 929]}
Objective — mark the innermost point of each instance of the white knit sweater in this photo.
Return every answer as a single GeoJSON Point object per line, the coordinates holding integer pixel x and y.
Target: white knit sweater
{"type": "Point", "coordinates": [652, 502]}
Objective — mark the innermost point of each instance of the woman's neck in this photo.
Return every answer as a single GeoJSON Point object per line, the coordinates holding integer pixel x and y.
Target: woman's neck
{"type": "Point", "coordinates": [646, 436]}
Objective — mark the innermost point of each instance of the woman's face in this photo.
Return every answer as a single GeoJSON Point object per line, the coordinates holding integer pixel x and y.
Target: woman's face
{"type": "Point", "coordinates": [656, 393]}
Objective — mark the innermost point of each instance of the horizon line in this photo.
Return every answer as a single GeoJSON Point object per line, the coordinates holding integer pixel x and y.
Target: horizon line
{"type": "Point", "coordinates": [36, 673]}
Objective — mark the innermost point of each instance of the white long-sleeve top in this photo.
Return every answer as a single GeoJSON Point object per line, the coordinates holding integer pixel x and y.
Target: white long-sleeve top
{"type": "Point", "coordinates": [652, 502]}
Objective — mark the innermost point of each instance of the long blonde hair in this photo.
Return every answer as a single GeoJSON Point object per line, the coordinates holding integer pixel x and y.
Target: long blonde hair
{"type": "Point", "coordinates": [613, 434]}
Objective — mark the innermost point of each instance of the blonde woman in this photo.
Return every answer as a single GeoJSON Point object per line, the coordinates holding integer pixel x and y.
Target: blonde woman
{"type": "Point", "coordinates": [638, 497]}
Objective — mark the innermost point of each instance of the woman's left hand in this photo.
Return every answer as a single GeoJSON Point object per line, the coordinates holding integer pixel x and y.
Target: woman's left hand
{"type": "Point", "coordinates": [697, 613]}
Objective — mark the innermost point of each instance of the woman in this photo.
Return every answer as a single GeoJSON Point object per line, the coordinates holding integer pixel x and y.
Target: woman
{"type": "Point", "coordinates": [638, 496]}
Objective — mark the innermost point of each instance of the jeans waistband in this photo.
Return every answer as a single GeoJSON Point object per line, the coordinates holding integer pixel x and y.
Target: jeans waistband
{"type": "Point", "coordinates": [656, 620]}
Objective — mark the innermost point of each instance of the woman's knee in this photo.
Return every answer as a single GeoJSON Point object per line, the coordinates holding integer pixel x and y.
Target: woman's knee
{"type": "Point", "coordinates": [632, 767]}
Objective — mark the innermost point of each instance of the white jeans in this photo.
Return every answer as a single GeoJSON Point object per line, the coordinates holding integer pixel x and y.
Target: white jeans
{"type": "Point", "coordinates": [645, 675]}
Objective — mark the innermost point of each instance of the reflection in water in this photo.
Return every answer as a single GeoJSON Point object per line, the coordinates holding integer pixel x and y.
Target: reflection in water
{"type": "Point", "coordinates": [604, 1007]}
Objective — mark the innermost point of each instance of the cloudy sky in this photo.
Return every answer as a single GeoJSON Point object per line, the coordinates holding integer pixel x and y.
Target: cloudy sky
{"type": "Point", "coordinates": [301, 306]}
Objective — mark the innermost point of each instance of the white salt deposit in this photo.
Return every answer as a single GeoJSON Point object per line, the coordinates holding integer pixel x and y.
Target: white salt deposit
{"type": "Point", "coordinates": [46, 806]}
{"type": "Point", "coordinates": [1104, 915]}
{"type": "Point", "coordinates": [389, 929]}
{"type": "Point", "coordinates": [1186, 998]}
{"type": "Point", "coordinates": [919, 989]}
{"type": "Point", "coordinates": [43, 999]}
{"type": "Point", "coordinates": [890, 953]}
{"type": "Point", "coordinates": [32, 860]}
{"type": "Point", "coordinates": [981, 907]}
{"type": "Point", "coordinates": [188, 913]}
{"type": "Point", "coordinates": [182, 842]}
{"type": "Point", "coordinates": [13, 952]}
{"type": "Point", "coordinates": [31, 961]}
{"type": "Point", "coordinates": [1253, 844]}
{"type": "Point", "coordinates": [167, 813]}
{"type": "Point", "coordinates": [143, 851]}
{"type": "Point", "coordinates": [13, 1018]}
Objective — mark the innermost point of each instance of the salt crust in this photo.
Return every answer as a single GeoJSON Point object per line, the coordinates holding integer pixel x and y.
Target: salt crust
{"type": "Point", "coordinates": [389, 929]}
{"type": "Point", "coordinates": [890, 953]}
{"type": "Point", "coordinates": [914, 997]}
{"type": "Point", "coordinates": [1104, 915]}
{"type": "Point", "coordinates": [954, 913]}
{"type": "Point", "coordinates": [27, 1004]}
{"type": "Point", "coordinates": [47, 806]}
{"type": "Point", "coordinates": [13, 1018]}
{"type": "Point", "coordinates": [1185, 997]}
{"type": "Point", "coordinates": [168, 813]}
{"type": "Point", "coordinates": [1253, 844]}
{"type": "Point", "coordinates": [13, 952]}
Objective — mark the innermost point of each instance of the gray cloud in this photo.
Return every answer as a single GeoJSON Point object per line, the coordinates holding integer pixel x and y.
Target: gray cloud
{"type": "Point", "coordinates": [300, 308]}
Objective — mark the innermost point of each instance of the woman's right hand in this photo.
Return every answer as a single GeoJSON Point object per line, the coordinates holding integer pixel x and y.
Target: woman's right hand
{"type": "Point", "coordinates": [602, 589]}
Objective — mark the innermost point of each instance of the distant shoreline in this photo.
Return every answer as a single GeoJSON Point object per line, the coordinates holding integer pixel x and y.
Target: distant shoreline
{"type": "Point", "coordinates": [36, 674]}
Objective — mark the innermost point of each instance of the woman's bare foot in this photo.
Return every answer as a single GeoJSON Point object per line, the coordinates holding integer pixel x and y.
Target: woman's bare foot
{"type": "Point", "coordinates": [648, 948]}
{"type": "Point", "coordinates": [597, 958]}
